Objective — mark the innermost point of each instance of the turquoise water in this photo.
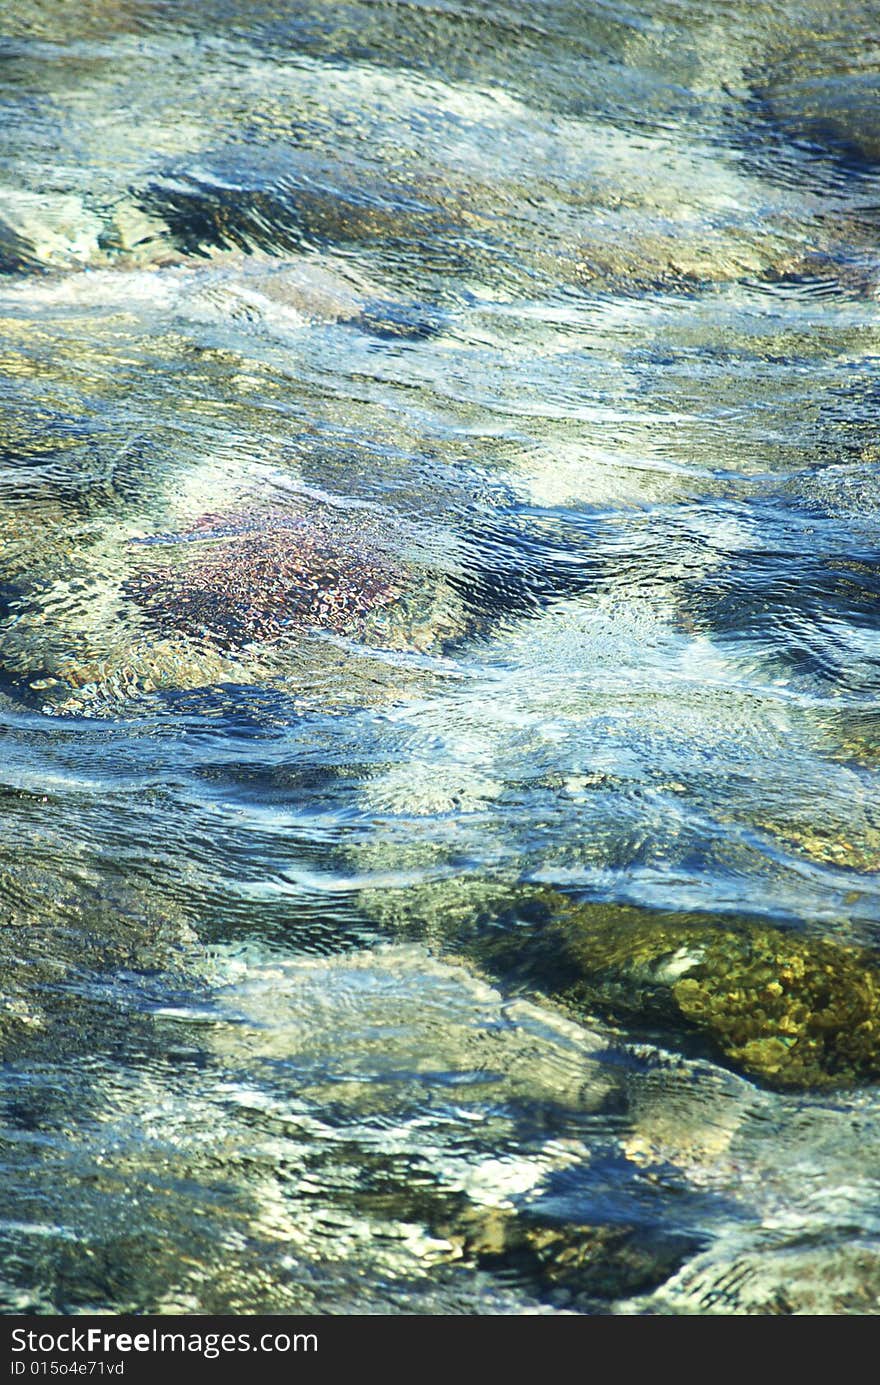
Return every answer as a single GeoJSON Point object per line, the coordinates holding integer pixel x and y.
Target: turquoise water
{"type": "Point", "coordinates": [554, 329]}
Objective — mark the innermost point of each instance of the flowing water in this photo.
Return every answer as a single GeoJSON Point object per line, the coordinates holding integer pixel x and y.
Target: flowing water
{"type": "Point", "coordinates": [439, 514]}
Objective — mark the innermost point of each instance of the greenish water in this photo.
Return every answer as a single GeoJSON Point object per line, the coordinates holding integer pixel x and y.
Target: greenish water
{"type": "Point", "coordinates": [439, 511]}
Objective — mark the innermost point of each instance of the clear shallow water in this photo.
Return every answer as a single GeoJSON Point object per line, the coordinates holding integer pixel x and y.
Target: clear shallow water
{"type": "Point", "coordinates": [569, 322]}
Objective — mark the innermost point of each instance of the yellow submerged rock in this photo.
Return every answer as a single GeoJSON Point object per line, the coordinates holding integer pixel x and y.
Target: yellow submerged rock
{"type": "Point", "coordinates": [791, 1011]}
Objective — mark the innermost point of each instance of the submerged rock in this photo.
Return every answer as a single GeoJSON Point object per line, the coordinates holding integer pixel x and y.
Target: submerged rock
{"type": "Point", "coordinates": [789, 1010]}
{"type": "Point", "coordinates": [262, 576]}
{"type": "Point", "coordinates": [837, 111]}
{"type": "Point", "coordinates": [58, 259]}
{"type": "Point", "coordinates": [326, 600]}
